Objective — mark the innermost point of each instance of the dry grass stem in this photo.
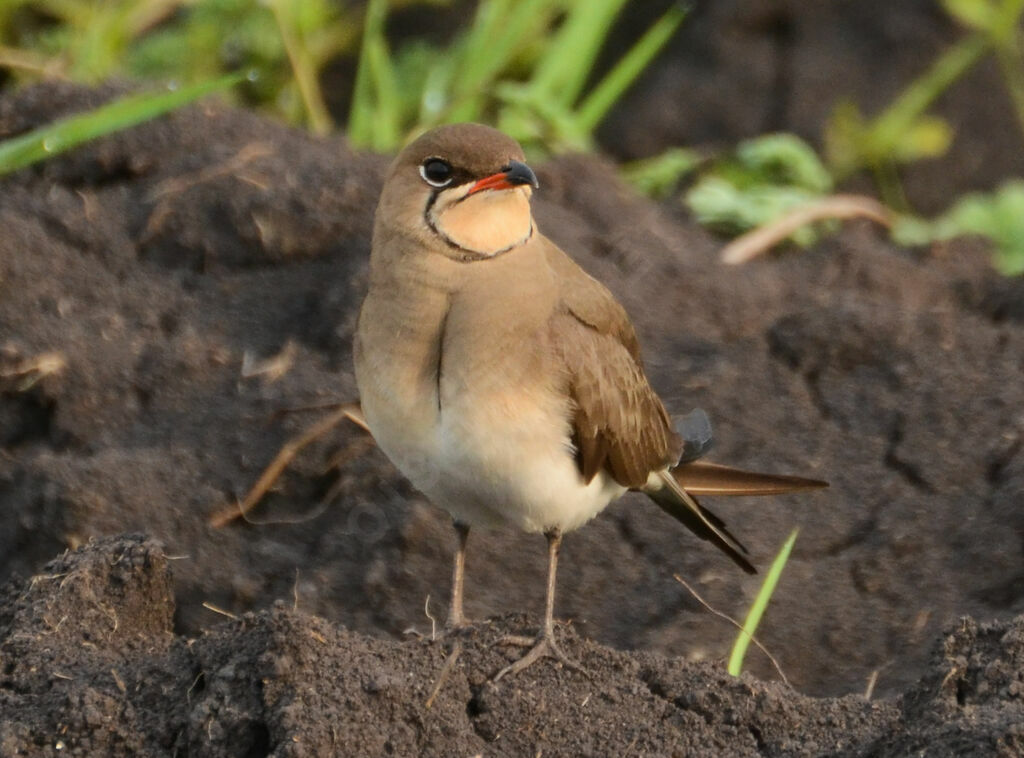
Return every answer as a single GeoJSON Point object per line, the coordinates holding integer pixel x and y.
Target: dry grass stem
{"type": "Point", "coordinates": [872, 681]}
{"type": "Point", "coordinates": [211, 607]}
{"type": "Point", "coordinates": [748, 246]}
{"type": "Point", "coordinates": [31, 371]}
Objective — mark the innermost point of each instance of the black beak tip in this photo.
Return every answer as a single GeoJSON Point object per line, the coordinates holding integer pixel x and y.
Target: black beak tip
{"type": "Point", "coordinates": [519, 173]}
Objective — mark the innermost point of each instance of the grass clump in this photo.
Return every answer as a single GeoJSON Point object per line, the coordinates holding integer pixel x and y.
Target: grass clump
{"type": "Point", "coordinates": [523, 65]}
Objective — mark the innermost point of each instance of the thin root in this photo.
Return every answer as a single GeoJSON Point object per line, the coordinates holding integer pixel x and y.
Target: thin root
{"type": "Point", "coordinates": [736, 624]}
{"type": "Point", "coordinates": [446, 671]}
{"type": "Point", "coordinates": [289, 450]}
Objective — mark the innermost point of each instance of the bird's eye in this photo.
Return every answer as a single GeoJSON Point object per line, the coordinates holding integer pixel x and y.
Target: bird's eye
{"type": "Point", "coordinates": [436, 172]}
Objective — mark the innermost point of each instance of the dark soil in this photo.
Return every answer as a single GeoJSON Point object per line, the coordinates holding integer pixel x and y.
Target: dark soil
{"type": "Point", "coordinates": [92, 667]}
{"type": "Point", "coordinates": [158, 267]}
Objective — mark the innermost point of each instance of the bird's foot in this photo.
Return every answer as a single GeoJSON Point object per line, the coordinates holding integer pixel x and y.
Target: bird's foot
{"type": "Point", "coordinates": [544, 646]}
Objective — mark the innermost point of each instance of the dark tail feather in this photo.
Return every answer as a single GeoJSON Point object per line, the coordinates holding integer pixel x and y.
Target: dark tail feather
{"type": "Point", "coordinates": [703, 478]}
{"type": "Point", "coordinates": [682, 506]}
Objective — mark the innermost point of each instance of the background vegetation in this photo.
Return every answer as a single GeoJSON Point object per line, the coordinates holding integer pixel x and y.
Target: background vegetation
{"type": "Point", "coordinates": [528, 67]}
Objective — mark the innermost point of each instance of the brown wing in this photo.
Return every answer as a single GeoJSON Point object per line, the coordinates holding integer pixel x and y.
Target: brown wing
{"type": "Point", "coordinates": [620, 424]}
{"type": "Point", "coordinates": [591, 302]}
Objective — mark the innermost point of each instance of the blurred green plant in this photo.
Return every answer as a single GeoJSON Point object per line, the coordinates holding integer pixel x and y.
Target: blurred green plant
{"type": "Point", "coordinates": [762, 180]}
{"type": "Point", "coordinates": [771, 580]}
{"type": "Point", "coordinates": [776, 187]}
{"type": "Point", "coordinates": [185, 41]}
{"type": "Point", "coordinates": [996, 216]}
{"type": "Point", "coordinates": [521, 64]}
{"type": "Point", "coordinates": [52, 139]}
{"type": "Point", "coordinates": [904, 132]}
{"type": "Point", "coordinates": [524, 65]}
{"type": "Point", "coordinates": [660, 176]}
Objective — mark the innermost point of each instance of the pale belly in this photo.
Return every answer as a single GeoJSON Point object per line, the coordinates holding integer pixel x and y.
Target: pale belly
{"type": "Point", "coordinates": [495, 461]}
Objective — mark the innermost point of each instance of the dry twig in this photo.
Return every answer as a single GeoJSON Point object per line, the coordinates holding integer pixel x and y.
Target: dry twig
{"type": "Point", "coordinates": [349, 411]}
{"type": "Point", "coordinates": [752, 244]}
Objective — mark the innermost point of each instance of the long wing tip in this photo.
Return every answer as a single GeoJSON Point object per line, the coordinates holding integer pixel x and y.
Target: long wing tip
{"type": "Point", "coordinates": [704, 478]}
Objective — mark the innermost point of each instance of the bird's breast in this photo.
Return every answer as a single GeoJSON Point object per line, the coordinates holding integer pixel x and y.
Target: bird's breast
{"type": "Point", "coordinates": [466, 395]}
{"type": "Point", "coordinates": [397, 358]}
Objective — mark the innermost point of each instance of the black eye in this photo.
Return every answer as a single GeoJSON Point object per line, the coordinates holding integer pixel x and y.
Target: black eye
{"type": "Point", "coordinates": [436, 172]}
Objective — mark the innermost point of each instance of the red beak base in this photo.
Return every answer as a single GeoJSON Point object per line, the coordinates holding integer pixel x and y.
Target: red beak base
{"type": "Point", "coordinates": [492, 182]}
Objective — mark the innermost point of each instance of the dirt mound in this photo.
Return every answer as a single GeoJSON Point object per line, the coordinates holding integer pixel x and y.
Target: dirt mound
{"type": "Point", "coordinates": [146, 279]}
{"type": "Point", "coordinates": [92, 667]}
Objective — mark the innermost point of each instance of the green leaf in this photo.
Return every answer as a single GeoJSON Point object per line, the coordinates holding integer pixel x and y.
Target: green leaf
{"type": "Point", "coordinates": [784, 159]}
{"type": "Point", "coordinates": [927, 137]}
{"type": "Point", "coordinates": [739, 648]}
{"type": "Point", "coordinates": [768, 177]}
{"type": "Point", "coordinates": [55, 138]}
{"type": "Point", "coordinates": [721, 205]}
{"type": "Point", "coordinates": [997, 216]}
{"type": "Point", "coordinates": [845, 136]}
{"type": "Point", "coordinates": [660, 175]}
{"type": "Point", "coordinates": [900, 132]}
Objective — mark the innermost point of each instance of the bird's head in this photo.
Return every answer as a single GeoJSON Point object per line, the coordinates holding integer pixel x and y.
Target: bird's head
{"type": "Point", "coordinates": [464, 189]}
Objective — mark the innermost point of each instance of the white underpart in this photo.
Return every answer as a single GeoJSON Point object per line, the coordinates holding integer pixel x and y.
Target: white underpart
{"type": "Point", "coordinates": [525, 475]}
{"type": "Point", "coordinates": [496, 463]}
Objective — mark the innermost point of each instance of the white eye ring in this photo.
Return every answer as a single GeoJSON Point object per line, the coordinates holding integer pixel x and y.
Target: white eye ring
{"type": "Point", "coordinates": [435, 182]}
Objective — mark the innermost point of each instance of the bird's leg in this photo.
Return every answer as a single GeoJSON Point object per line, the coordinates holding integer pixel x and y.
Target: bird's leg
{"type": "Point", "coordinates": [456, 619]}
{"type": "Point", "coordinates": [545, 645]}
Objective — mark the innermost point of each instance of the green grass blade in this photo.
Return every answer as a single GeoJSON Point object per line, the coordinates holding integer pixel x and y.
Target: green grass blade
{"type": "Point", "coordinates": [387, 121]}
{"type": "Point", "coordinates": [361, 113]}
{"type": "Point", "coordinates": [563, 70]}
{"type": "Point", "coordinates": [499, 32]}
{"type": "Point", "coordinates": [617, 81]}
{"type": "Point", "coordinates": [739, 648]}
{"type": "Point", "coordinates": [484, 33]}
{"type": "Point", "coordinates": [1009, 53]}
{"type": "Point", "coordinates": [887, 128]}
{"type": "Point", "coordinates": [67, 133]}
{"type": "Point", "coordinates": [304, 68]}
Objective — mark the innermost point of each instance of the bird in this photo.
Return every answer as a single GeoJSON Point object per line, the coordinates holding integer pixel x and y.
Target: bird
{"type": "Point", "coordinates": [503, 381]}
